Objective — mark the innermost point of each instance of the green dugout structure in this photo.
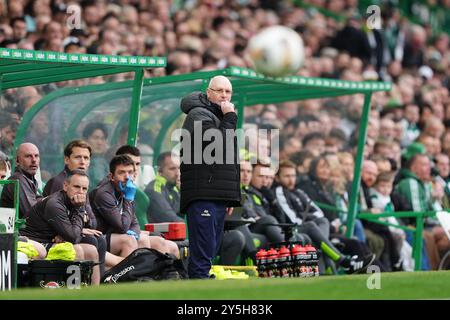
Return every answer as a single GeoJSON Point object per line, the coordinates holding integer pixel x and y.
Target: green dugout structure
{"type": "Point", "coordinates": [21, 68]}
{"type": "Point", "coordinates": [149, 118]}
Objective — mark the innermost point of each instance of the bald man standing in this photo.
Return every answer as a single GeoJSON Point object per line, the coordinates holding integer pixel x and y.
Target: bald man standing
{"type": "Point", "coordinates": [27, 164]}
{"type": "Point", "coordinates": [210, 175]}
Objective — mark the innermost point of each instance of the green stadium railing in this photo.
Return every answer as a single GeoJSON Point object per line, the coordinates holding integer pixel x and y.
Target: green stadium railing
{"type": "Point", "coordinates": [418, 230]}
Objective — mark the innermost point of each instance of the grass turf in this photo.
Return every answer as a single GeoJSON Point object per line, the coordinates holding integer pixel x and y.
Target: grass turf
{"type": "Point", "coordinates": [402, 285]}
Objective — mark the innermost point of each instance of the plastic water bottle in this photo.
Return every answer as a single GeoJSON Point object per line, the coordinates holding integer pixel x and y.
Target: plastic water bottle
{"type": "Point", "coordinates": [261, 263]}
{"type": "Point", "coordinates": [314, 261]}
{"type": "Point", "coordinates": [295, 257]}
{"type": "Point", "coordinates": [272, 259]}
{"type": "Point", "coordinates": [284, 262]}
{"type": "Point", "coordinates": [304, 263]}
{"type": "Point", "coordinates": [299, 261]}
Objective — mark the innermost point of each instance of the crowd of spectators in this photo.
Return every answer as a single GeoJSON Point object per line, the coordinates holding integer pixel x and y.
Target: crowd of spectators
{"type": "Point", "coordinates": [316, 135]}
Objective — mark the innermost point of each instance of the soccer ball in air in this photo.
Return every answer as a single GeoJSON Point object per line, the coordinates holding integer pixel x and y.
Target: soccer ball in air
{"type": "Point", "coordinates": [276, 51]}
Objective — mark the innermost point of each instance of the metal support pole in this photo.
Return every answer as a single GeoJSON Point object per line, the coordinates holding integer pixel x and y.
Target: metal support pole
{"type": "Point", "coordinates": [418, 243]}
{"type": "Point", "coordinates": [353, 205]}
{"type": "Point", "coordinates": [135, 107]}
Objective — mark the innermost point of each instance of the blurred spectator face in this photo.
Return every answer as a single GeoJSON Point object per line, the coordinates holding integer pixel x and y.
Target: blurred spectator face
{"type": "Point", "coordinates": [53, 31]}
{"type": "Point", "coordinates": [333, 144]}
{"type": "Point", "coordinates": [19, 30]}
{"type": "Point", "coordinates": [356, 65]}
{"type": "Point", "coordinates": [112, 23]}
{"type": "Point", "coordinates": [373, 128]}
{"type": "Point", "coordinates": [342, 61]}
{"type": "Point", "coordinates": [384, 148]}
{"type": "Point", "coordinates": [383, 166]}
{"type": "Point", "coordinates": [316, 146]}
{"type": "Point", "coordinates": [407, 94]}
{"type": "Point", "coordinates": [55, 45]}
{"type": "Point", "coordinates": [384, 187]}
{"type": "Point", "coordinates": [287, 177]}
{"type": "Point", "coordinates": [97, 140]}
{"type": "Point", "coordinates": [421, 168]}
{"type": "Point", "coordinates": [39, 125]}
{"type": "Point", "coordinates": [412, 113]}
{"type": "Point", "coordinates": [438, 110]}
{"type": "Point", "coordinates": [434, 127]}
{"type": "Point", "coordinates": [396, 152]}
{"type": "Point", "coordinates": [398, 129]}
{"type": "Point", "coordinates": [288, 110]}
{"type": "Point", "coordinates": [246, 173]}
{"type": "Point", "coordinates": [323, 171]}
{"type": "Point", "coordinates": [91, 15]}
{"type": "Point", "coordinates": [418, 36]}
{"type": "Point", "coordinates": [181, 61]}
{"type": "Point", "coordinates": [171, 169]}
{"type": "Point", "coordinates": [336, 5]}
{"type": "Point", "coordinates": [8, 134]}
{"type": "Point", "coordinates": [15, 9]}
{"type": "Point", "coordinates": [292, 146]}
{"type": "Point", "coordinates": [311, 107]}
{"type": "Point", "coordinates": [442, 43]}
{"type": "Point", "coordinates": [446, 142]}
{"type": "Point", "coordinates": [171, 40]}
{"type": "Point", "coordinates": [41, 21]}
{"type": "Point", "coordinates": [369, 173]}
{"type": "Point", "coordinates": [28, 158]}
{"type": "Point", "coordinates": [111, 37]}
{"type": "Point", "coordinates": [347, 165]}
{"type": "Point", "coordinates": [263, 146]}
{"type": "Point", "coordinates": [430, 144]}
{"type": "Point", "coordinates": [268, 115]}
{"type": "Point", "coordinates": [304, 128]}
{"type": "Point", "coordinates": [395, 69]}
{"type": "Point", "coordinates": [41, 7]}
{"type": "Point", "coordinates": [303, 168]}
{"type": "Point", "coordinates": [80, 158]}
{"type": "Point", "coordinates": [387, 128]}
{"type": "Point", "coordinates": [443, 165]}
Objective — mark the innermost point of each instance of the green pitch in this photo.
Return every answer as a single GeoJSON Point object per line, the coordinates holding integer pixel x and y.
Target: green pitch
{"type": "Point", "coordinates": [405, 285]}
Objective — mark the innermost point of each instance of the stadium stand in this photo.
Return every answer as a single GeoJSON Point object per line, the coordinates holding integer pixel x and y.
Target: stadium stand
{"type": "Point", "coordinates": [203, 35]}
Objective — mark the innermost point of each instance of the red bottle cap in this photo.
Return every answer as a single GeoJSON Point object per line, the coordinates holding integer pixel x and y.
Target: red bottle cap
{"type": "Point", "coordinates": [272, 253]}
{"type": "Point", "coordinates": [295, 250]}
{"type": "Point", "coordinates": [261, 254]}
{"type": "Point", "coordinates": [284, 252]}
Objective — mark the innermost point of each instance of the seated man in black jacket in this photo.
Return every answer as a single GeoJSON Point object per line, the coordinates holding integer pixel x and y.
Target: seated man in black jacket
{"type": "Point", "coordinates": [60, 217]}
{"type": "Point", "coordinates": [163, 192]}
{"type": "Point", "coordinates": [113, 204]}
{"type": "Point", "coordinates": [298, 208]}
{"type": "Point", "coordinates": [164, 196]}
{"type": "Point", "coordinates": [253, 208]}
{"type": "Point", "coordinates": [27, 165]}
{"type": "Point", "coordinates": [77, 156]}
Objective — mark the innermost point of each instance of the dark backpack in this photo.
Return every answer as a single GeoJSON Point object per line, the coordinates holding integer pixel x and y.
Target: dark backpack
{"type": "Point", "coordinates": [145, 264]}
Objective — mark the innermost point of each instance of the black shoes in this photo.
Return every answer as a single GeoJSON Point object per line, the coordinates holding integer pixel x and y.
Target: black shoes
{"type": "Point", "coordinates": [356, 264]}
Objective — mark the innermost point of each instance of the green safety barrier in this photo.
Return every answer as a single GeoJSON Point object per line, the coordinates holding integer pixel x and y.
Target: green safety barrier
{"type": "Point", "coordinates": [418, 230]}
